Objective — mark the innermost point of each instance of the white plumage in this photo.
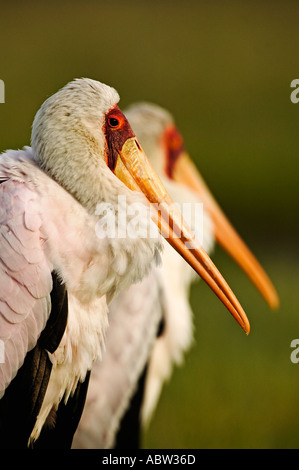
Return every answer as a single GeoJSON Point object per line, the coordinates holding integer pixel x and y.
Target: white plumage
{"type": "Point", "coordinates": [133, 321]}
{"type": "Point", "coordinates": [47, 227]}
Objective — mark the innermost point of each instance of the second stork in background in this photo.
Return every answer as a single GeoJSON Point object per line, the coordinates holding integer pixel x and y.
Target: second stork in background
{"type": "Point", "coordinates": [151, 324]}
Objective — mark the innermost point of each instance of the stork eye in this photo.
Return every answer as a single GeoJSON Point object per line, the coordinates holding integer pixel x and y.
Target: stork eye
{"type": "Point", "coordinates": [113, 122]}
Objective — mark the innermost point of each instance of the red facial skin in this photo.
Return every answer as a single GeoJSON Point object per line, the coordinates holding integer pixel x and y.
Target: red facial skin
{"type": "Point", "coordinates": [174, 146]}
{"type": "Point", "coordinates": [117, 130]}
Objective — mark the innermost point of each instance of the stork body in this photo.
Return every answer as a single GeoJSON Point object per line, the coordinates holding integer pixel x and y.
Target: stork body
{"type": "Point", "coordinates": [60, 267]}
{"type": "Point", "coordinates": [89, 270]}
{"type": "Point", "coordinates": [45, 230]}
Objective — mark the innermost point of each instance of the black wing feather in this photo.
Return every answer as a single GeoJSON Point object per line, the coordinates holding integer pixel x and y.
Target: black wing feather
{"type": "Point", "coordinates": [23, 398]}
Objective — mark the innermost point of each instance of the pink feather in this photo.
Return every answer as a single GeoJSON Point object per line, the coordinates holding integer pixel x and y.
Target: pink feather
{"type": "Point", "coordinates": [25, 276]}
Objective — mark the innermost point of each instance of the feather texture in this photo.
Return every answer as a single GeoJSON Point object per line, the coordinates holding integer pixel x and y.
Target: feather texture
{"type": "Point", "coordinates": [25, 277]}
{"type": "Point", "coordinates": [132, 329]}
{"type": "Point", "coordinates": [49, 198]}
{"type": "Point", "coordinates": [58, 234]}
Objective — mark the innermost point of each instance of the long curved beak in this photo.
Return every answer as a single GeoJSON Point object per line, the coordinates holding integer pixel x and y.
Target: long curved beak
{"type": "Point", "coordinates": [134, 169]}
{"type": "Point", "coordinates": [186, 172]}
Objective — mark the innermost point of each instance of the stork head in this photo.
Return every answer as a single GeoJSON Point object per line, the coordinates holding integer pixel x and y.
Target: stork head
{"type": "Point", "coordinates": [81, 139]}
{"type": "Point", "coordinates": [68, 138]}
{"type": "Point", "coordinates": [164, 146]}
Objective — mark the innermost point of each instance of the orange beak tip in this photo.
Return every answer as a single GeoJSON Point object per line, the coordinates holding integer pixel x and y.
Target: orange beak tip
{"type": "Point", "coordinates": [275, 304]}
{"type": "Point", "coordinates": [245, 325]}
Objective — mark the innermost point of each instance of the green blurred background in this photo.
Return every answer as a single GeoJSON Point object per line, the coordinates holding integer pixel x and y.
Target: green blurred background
{"type": "Point", "coordinates": [224, 69]}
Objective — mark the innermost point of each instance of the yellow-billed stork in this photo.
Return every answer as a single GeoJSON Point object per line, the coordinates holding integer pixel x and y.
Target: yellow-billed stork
{"type": "Point", "coordinates": [59, 268]}
{"type": "Point", "coordinates": [136, 313]}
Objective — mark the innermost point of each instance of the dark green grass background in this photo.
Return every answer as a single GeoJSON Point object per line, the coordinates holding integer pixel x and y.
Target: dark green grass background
{"type": "Point", "coordinates": [224, 69]}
